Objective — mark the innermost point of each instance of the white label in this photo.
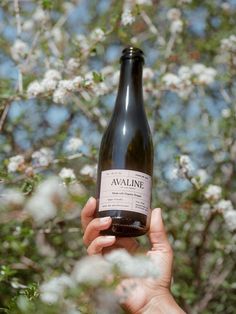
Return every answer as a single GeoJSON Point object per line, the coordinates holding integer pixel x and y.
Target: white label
{"type": "Point", "coordinates": [125, 190]}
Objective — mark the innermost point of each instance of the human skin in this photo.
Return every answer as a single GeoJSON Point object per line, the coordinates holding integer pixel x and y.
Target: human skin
{"type": "Point", "coordinates": [146, 296]}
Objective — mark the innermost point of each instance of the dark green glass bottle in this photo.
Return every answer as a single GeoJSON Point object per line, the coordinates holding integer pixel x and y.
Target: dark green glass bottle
{"type": "Point", "coordinates": [126, 155]}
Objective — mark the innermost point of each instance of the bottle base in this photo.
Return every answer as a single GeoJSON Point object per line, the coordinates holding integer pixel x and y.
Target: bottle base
{"type": "Point", "coordinates": [121, 227]}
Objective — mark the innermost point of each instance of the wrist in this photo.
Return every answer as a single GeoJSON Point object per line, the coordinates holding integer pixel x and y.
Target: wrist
{"type": "Point", "coordinates": [162, 304]}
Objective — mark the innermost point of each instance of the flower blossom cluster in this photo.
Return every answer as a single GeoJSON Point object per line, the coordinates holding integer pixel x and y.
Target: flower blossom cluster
{"type": "Point", "coordinates": [74, 144]}
{"type": "Point", "coordinates": [183, 82]}
{"type": "Point", "coordinates": [127, 18]}
{"type": "Point", "coordinates": [19, 50]}
{"type": "Point", "coordinates": [48, 84]}
{"type": "Point", "coordinates": [42, 206]}
{"type": "Point", "coordinates": [42, 157]}
{"type": "Point", "coordinates": [16, 163]}
{"type": "Point", "coordinates": [88, 170]}
{"type": "Point", "coordinates": [213, 194]}
{"type": "Point", "coordinates": [52, 290]}
{"type": "Point", "coordinates": [52, 82]}
{"type": "Point", "coordinates": [174, 16]}
{"type": "Point", "coordinates": [67, 174]}
{"type": "Point", "coordinates": [229, 44]}
{"type": "Point", "coordinates": [11, 197]}
{"type": "Point", "coordinates": [95, 269]}
{"type": "Point", "coordinates": [184, 167]}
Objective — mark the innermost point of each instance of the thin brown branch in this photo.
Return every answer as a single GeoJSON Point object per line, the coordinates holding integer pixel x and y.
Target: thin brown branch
{"type": "Point", "coordinates": [215, 280]}
{"type": "Point", "coordinates": [4, 115]}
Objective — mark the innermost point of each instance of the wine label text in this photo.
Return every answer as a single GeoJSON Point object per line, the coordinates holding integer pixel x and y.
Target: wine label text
{"type": "Point", "coordinates": [125, 190]}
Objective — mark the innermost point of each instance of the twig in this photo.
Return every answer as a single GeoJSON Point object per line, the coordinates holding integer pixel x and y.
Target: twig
{"type": "Point", "coordinates": [153, 29]}
{"type": "Point", "coordinates": [214, 282]}
{"type": "Point", "coordinates": [200, 249]}
{"type": "Point", "coordinates": [4, 115]}
{"type": "Point", "coordinates": [17, 13]}
{"type": "Point", "coordinates": [18, 28]}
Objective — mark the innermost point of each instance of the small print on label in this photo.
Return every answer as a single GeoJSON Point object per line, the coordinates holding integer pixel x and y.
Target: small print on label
{"type": "Point", "coordinates": [125, 190]}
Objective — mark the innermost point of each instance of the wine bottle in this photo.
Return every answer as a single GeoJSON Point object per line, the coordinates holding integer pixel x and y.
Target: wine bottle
{"type": "Point", "coordinates": [125, 164]}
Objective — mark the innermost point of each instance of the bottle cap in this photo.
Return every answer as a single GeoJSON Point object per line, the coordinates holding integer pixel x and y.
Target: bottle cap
{"type": "Point", "coordinates": [132, 53]}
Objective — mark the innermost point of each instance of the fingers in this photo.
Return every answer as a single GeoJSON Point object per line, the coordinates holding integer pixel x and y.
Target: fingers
{"type": "Point", "coordinates": [94, 227]}
{"type": "Point", "coordinates": [157, 233]}
{"type": "Point", "coordinates": [100, 243]}
{"type": "Point", "coordinates": [88, 212]}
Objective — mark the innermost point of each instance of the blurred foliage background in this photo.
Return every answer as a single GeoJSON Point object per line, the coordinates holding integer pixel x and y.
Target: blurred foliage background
{"type": "Point", "coordinates": [59, 74]}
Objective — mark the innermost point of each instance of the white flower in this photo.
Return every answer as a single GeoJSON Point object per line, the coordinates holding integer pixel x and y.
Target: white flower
{"type": "Point", "coordinates": [66, 84]}
{"type": "Point", "coordinates": [83, 42]}
{"type": "Point", "coordinates": [34, 89]}
{"type": "Point", "coordinates": [76, 188]}
{"type": "Point", "coordinates": [185, 161]}
{"type": "Point", "coordinates": [41, 209]}
{"type": "Point", "coordinates": [226, 113]}
{"type": "Point", "coordinates": [42, 205]}
{"type": "Point", "coordinates": [127, 18]}
{"type": "Point", "coordinates": [176, 26]}
{"type": "Point", "coordinates": [92, 270]}
{"type": "Point", "coordinates": [148, 73]}
{"type": "Point", "coordinates": [144, 2]}
{"type": "Point", "coordinates": [198, 68]}
{"type": "Point", "coordinates": [184, 73]}
{"type": "Point", "coordinates": [138, 266]}
{"type": "Point", "coordinates": [48, 85]}
{"type": "Point", "coordinates": [74, 144]}
{"type": "Point", "coordinates": [223, 205]}
{"type": "Point", "coordinates": [230, 219]}
{"type": "Point", "coordinates": [52, 291]}
{"type": "Point", "coordinates": [229, 44]}
{"type": "Point", "coordinates": [15, 163]}
{"type": "Point", "coordinates": [98, 35]}
{"type": "Point", "coordinates": [100, 89]}
{"type": "Point", "coordinates": [67, 173]}
{"type": "Point", "coordinates": [28, 26]}
{"type": "Point", "coordinates": [173, 14]}
{"type": "Point", "coordinates": [77, 83]}
{"type": "Point", "coordinates": [43, 157]}
{"type": "Point", "coordinates": [52, 189]}
{"type": "Point", "coordinates": [88, 170]}
{"type": "Point", "coordinates": [213, 192]}
{"type": "Point", "coordinates": [170, 79]}
{"type": "Point", "coordinates": [19, 50]}
{"type": "Point", "coordinates": [225, 6]}
{"type": "Point", "coordinates": [57, 34]}
{"type": "Point", "coordinates": [60, 96]}
{"type": "Point", "coordinates": [12, 197]}
{"type": "Point", "coordinates": [205, 210]}
{"type": "Point", "coordinates": [205, 75]}
{"type": "Point", "coordinates": [73, 64]}
{"type": "Point", "coordinates": [39, 15]}
{"type": "Point", "coordinates": [52, 75]}
{"type": "Point", "coordinates": [184, 167]}
{"type": "Point", "coordinates": [202, 176]}
{"type": "Point", "coordinates": [208, 76]}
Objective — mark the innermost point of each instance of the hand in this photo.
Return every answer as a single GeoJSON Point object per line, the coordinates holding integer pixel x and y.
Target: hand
{"type": "Point", "coordinates": [144, 295]}
{"type": "Point", "coordinates": [97, 244]}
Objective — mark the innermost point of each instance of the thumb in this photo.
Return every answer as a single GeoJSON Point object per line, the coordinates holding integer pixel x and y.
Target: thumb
{"type": "Point", "coordinates": [157, 233]}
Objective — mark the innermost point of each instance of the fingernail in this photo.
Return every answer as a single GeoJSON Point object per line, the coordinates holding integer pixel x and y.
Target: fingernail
{"type": "Point", "coordinates": [89, 200]}
{"type": "Point", "coordinates": [109, 238]}
{"type": "Point", "coordinates": [104, 220]}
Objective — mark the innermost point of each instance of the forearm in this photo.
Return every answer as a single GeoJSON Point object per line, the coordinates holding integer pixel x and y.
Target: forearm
{"type": "Point", "coordinates": [162, 305]}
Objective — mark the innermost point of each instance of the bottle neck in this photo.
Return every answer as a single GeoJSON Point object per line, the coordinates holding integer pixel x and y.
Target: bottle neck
{"type": "Point", "coordinates": [130, 89]}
